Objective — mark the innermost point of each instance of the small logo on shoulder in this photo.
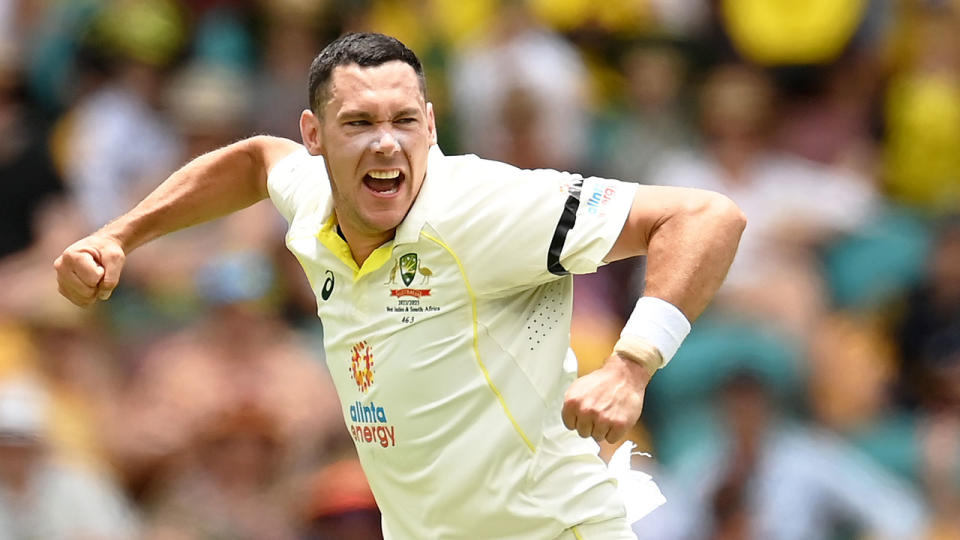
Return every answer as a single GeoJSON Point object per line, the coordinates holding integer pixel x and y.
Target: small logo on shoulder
{"type": "Point", "coordinates": [327, 289]}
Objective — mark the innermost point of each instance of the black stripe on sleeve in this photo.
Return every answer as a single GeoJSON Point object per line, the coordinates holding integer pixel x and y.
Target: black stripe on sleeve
{"type": "Point", "coordinates": [567, 220]}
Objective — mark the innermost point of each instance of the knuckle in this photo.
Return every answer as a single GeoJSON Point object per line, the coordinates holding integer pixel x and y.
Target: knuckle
{"type": "Point", "coordinates": [582, 412]}
{"type": "Point", "coordinates": [113, 254]}
{"type": "Point", "coordinates": [72, 258]}
{"type": "Point", "coordinates": [572, 403]}
{"type": "Point", "coordinates": [591, 410]}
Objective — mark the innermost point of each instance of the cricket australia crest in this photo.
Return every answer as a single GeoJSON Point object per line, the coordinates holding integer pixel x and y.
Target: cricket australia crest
{"type": "Point", "coordinates": [409, 264]}
{"type": "Point", "coordinates": [415, 278]}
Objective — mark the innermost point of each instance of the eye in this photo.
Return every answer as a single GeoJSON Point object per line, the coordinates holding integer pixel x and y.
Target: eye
{"type": "Point", "coordinates": [405, 120]}
{"type": "Point", "coordinates": [358, 123]}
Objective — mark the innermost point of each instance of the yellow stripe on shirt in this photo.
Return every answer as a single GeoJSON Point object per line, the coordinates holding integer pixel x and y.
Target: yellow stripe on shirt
{"type": "Point", "coordinates": [476, 342]}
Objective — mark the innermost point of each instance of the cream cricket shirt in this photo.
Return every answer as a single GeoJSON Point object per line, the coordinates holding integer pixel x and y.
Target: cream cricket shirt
{"type": "Point", "coordinates": [449, 346]}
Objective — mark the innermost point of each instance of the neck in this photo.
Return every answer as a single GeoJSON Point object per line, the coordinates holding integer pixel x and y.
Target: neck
{"type": "Point", "coordinates": [361, 244]}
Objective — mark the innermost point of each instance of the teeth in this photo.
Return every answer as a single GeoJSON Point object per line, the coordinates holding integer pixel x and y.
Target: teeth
{"type": "Point", "coordinates": [385, 175]}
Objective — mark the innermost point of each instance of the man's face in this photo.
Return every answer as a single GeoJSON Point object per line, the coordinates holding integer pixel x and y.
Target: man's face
{"type": "Point", "coordinates": [374, 132]}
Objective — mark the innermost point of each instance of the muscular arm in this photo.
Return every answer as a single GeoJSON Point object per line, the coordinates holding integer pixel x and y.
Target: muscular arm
{"type": "Point", "coordinates": [212, 185]}
{"type": "Point", "coordinates": [689, 236]}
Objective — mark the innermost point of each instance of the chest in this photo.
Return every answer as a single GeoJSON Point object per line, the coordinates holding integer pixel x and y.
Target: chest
{"type": "Point", "coordinates": [401, 326]}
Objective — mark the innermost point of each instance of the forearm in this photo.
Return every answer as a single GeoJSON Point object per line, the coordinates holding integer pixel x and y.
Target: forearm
{"type": "Point", "coordinates": [689, 253]}
{"type": "Point", "coordinates": [690, 238]}
{"type": "Point", "coordinates": [212, 185]}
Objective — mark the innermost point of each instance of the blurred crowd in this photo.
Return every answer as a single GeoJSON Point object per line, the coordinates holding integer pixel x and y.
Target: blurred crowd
{"type": "Point", "coordinates": [818, 398]}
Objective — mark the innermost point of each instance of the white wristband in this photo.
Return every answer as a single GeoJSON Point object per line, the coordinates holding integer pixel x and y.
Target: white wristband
{"type": "Point", "coordinates": [658, 323]}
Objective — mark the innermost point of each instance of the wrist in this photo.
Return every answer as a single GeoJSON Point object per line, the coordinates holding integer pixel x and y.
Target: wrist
{"type": "Point", "coordinates": [653, 333]}
{"type": "Point", "coordinates": [637, 373]}
{"type": "Point", "coordinates": [639, 352]}
{"type": "Point", "coordinates": [118, 232]}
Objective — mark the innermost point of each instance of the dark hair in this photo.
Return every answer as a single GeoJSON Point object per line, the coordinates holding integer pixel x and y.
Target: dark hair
{"type": "Point", "coordinates": [364, 49]}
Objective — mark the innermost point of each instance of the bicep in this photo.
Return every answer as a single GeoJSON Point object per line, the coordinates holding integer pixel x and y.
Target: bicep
{"type": "Point", "coordinates": [652, 206]}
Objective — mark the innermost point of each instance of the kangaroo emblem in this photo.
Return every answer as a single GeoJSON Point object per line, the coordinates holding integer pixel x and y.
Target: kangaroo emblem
{"type": "Point", "coordinates": [393, 273]}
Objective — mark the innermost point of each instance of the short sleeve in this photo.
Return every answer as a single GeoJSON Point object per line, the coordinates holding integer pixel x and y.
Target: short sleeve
{"type": "Point", "coordinates": [297, 181]}
{"type": "Point", "coordinates": [517, 228]}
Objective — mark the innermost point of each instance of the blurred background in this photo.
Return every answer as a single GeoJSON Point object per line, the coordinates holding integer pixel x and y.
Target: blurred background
{"type": "Point", "coordinates": [819, 397]}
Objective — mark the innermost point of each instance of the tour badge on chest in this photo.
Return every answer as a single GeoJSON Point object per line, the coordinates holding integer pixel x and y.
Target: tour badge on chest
{"type": "Point", "coordinates": [413, 293]}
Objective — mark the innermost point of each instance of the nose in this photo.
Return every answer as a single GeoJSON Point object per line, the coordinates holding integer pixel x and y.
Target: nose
{"type": "Point", "coordinates": [386, 143]}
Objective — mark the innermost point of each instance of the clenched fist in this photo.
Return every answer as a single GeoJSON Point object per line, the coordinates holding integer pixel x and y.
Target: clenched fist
{"type": "Point", "coordinates": [606, 403]}
{"type": "Point", "coordinates": [89, 269]}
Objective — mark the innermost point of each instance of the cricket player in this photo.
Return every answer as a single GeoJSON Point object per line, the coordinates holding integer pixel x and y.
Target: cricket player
{"type": "Point", "coordinates": [444, 286]}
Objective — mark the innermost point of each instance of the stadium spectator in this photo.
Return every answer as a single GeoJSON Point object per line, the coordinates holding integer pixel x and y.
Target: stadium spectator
{"type": "Point", "coordinates": [229, 484]}
{"type": "Point", "coordinates": [794, 205]}
{"type": "Point", "coordinates": [29, 178]}
{"type": "Point", "coordinates": [523, 85]}
{"type": "Point", "coordinates": [240, 356]}
{"type": "Point", "coordinates": [42, 496]}
{"type": "Point", "coordinates": [929, 332]}
{"type": "Point", "coordinates": [771, 478]}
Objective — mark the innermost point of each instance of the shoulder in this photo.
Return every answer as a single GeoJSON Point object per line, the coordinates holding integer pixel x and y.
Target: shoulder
{"type": "Point", "coordinates": [295, 162]}
{"type": "Point", "coordinates": [468, 181]}
{"type": "Point", "coordinates": [297, 181]}
{"type": "Point", "coordinates": [283, 156]}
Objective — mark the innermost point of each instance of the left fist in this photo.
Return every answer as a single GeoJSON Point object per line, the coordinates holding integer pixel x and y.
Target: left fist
{"type": "Point", "coordinates": [606, 403]}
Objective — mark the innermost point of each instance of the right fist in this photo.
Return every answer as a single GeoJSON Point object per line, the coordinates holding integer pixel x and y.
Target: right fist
{"type": "Point", "coordinates": [89, 269]}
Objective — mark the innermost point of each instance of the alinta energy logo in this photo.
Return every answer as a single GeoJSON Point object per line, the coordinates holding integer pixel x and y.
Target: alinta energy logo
{"type": "Point", "coordinates": [410, 268]}
{"type": "Point", "coordinates": [368, 422]}
{"type": "Point", "coordinates": [361, 365]}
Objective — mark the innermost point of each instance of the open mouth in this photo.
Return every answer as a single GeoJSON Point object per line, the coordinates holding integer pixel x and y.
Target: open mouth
{"type": "Point", "coordinates": [386, 182]}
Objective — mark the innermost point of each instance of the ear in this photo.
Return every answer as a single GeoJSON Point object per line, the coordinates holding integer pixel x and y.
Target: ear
{"type": "Point", "coordinates": [431, 124]}
{"type": "Point", "coordinates": [310, 132]}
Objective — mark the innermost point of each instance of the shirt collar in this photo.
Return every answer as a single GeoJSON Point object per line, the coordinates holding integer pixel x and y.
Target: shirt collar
{"type": "Point", "coordinates": [409, 229]}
